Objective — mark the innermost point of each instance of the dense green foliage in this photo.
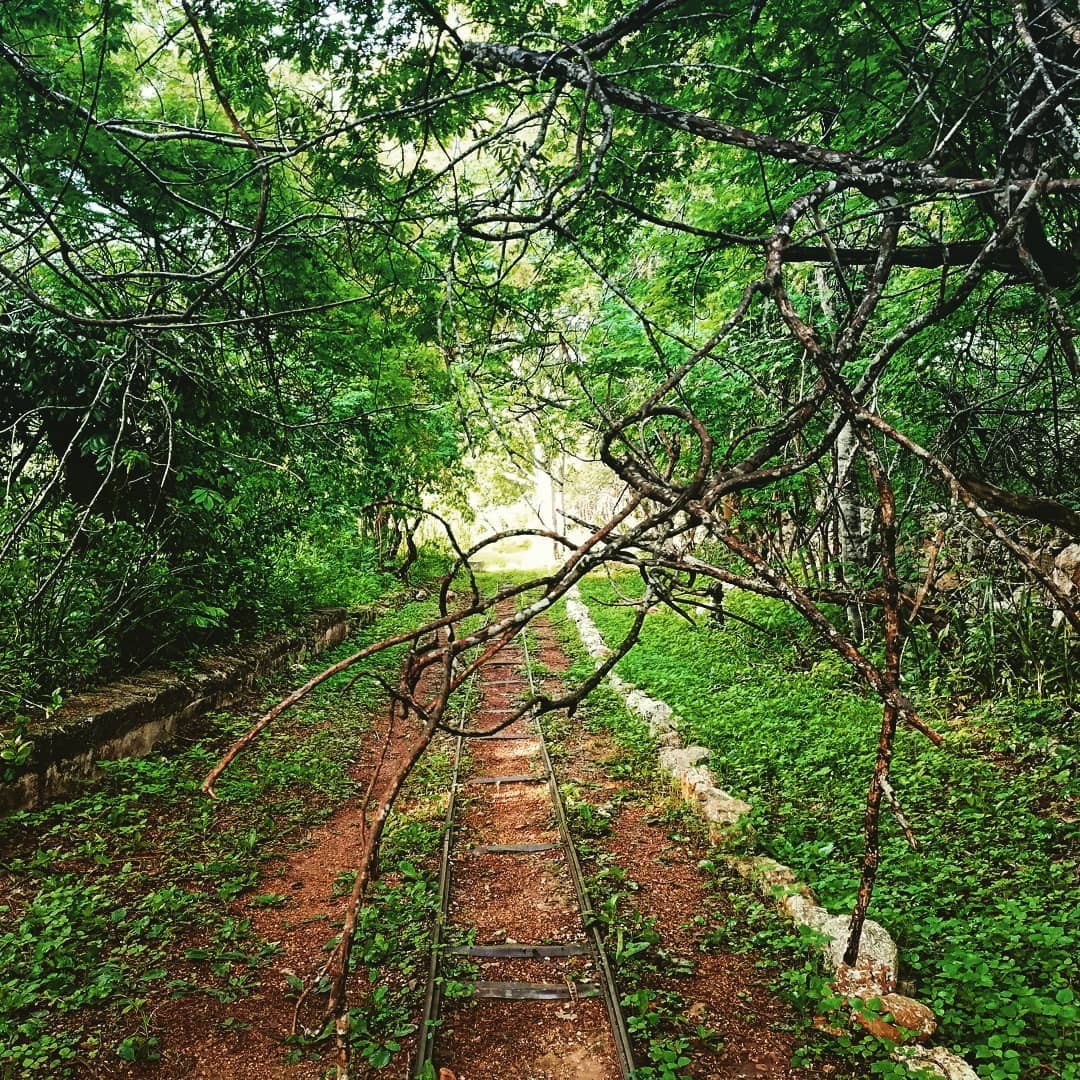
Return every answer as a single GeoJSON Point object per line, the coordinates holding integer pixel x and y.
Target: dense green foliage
{"type": "Point", "coordinates": [986, 914]}
{"type": "Point", "coordinates": [660, 1016]}
{"type": "Point", "coordinates": [268, 269]}
{"type": "Point", "coordinates": [194, 437]}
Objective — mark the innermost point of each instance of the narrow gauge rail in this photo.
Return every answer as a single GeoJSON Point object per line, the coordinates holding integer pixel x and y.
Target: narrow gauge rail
{"type": "Point", "coordinates": [587, 946]}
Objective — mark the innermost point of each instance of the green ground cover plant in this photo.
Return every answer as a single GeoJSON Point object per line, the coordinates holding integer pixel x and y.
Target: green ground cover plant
{"type": "Point", "coordinates": [986, 914]}
{"type": "Point", "coordinates": [137, 888]}
{"type": "Point", "coordinates": [658, 1020]}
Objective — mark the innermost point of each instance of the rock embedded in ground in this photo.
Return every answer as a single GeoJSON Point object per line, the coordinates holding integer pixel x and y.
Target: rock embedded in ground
{"type": "Point", "coordinates": [873, 975]}
{"type": "Point", "coordinates": [937, 1061]}
{"type": "Point", "coordinates": [657, 714]}
{"type": "Point", "coordinates": [679, 761]}
{"type": "Point", "coordinates": [902, 1019]}
{"type": "Point", "coordinates": [721, 809]}
{"type": "Point", "coordinates": [697, 785]}
{"type": "Point", "coordinates": [874, 972]}
{"type": "Point", "coordinates": [590, 636]}
{"type": "Point", "coordinates": [772, 878]}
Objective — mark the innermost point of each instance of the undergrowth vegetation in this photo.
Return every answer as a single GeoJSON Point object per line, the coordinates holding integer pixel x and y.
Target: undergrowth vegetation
{"type": "Point", "coordinates": [118, 608]}
{"type": "Point", "coordinates": [986, 914]}
{"type": "Point", "coordinates": [393, 935]}
{"type": "Point", "coordinates": [673, 1037]}
{"type": "Point", "coordinates": [142, 890]}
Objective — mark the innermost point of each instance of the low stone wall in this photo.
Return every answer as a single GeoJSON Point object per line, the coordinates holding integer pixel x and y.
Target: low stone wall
{"type": "Point", "coordinates": [129, 718]}
{"type": "Point", "coordinates": [874, 974]}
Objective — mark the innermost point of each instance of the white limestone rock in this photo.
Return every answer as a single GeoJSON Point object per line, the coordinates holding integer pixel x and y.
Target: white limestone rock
{"type": "Point", "coordinates": [686, 766]}
{"type": "Point", "coordinates": [591, 637]}
{"type": "Point", "coordinates": [874, 973]}
{"type": "Point", "coordinates": [720, 808]}
{"type": "Point", "coordinates": [936, 1060]}
{"type": "Point", "coordinates": [678, 761]}
{"type": "Point", "coordinates": [798, 908]}
{"type": "Point", "coordinates": [657, 714]}
{"type": "Point", "coordinates": [902, 1019]}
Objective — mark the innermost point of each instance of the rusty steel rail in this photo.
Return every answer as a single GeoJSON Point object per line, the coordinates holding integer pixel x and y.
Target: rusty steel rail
{"type": "Point", "coordinates": [433, 990]}
{"type": "Point", "coordinates": [608, 988]}
{"type": "Point", "coordinates": [605, 988]}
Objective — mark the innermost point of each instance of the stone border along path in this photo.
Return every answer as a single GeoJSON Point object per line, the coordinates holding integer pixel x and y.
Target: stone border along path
{"type": "Point", "coordinates": [129, 717]}
{"type": "Point", "coordinates": [874, 974]}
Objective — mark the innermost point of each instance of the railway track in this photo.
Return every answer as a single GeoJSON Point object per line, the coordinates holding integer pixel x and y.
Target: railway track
{"type": "Point", "coordinates": [544, 1003]}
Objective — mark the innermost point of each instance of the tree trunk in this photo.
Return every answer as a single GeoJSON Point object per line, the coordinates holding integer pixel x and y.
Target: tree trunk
{"type": "Point", "coordinates": [852, 531]}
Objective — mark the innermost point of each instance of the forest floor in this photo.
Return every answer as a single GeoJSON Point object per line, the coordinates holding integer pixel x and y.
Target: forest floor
{"type": "Point", "coordinates": [151, 933]}
{"type": "Point", "coordinates": [984, 910]}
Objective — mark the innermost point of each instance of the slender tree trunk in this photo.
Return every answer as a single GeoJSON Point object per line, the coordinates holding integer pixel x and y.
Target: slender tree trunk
{"type": "Point", "coordinates": [852, 533]}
